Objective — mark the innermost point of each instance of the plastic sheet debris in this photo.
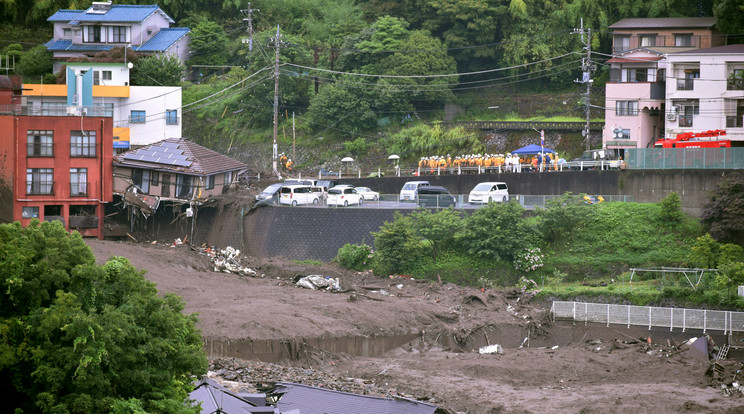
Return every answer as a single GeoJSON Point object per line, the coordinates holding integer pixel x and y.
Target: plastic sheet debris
{"type": "Point", "coordinates": [491, 349]}
{"type": "Point", "coordinates": [316, 282]}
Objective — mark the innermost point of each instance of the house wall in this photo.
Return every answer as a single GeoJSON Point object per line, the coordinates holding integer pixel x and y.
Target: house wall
{"type": "Point", "coordinates": [153, 23]}
{"type": "Point", "coordinates": [99, 190]}
{"type": "Point", "coordinates": [154, 100]}
{"type": "Point", "coordinates": [119, 72]}
{"type": "Point", "coordinates": [123, 179]}
{"type": "Point", "coordinates": [708, 38]}
{"type": "Point", "coordinates": [7, 160]}
{"type": "Point", "coordinates": [709, 90]}
{"type": "Point", "coordinates": [180, 49]}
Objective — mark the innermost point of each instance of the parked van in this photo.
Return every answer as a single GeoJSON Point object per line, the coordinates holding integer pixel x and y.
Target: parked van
{"type": "Point", "coordinates": [434, 196]}
{"type": "Point", "coordinates": [489, 192]}
{"type": "Point", "coordinates": [410, 190]}
{"type": "Point", "coordinates": [297, 195]}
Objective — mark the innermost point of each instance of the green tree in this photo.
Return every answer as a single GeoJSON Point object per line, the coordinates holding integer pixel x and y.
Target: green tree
{"type": "Point", "coordinates": [37, 61]}
{"type": "Point", "coordinates": [563, 216]}
{"type": "Point", "coordinates": [82, 338]}
{"type": "Point", "coordinates": [671, 209]}
{"type": "Point", "coordinates": [397, 247]}
{"type": "Point", "coordinates": [730, 18]}
{"type": "Point", "coordinates": [209, 44]}
{"type": "Point", "coordinates": [337, 106]}
{"type": "Point", "coordinates": [704, 252]}
{"type": "Point", "coordinates": [157, 71]}
{"type": "Point", "coordinates": [723, 215]}
{"type": "Point", "coordinates": [439, 228]}
{"type": "Point", "coordinates": [497, 231]}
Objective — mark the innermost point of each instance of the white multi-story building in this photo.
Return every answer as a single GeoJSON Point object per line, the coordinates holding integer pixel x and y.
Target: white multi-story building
{"type": "Point", "coordinates": [705, 91]}
{"type": "Point", "coordinates": [142, 114]}
{"type": "Point", "coordinates": [103, 26]}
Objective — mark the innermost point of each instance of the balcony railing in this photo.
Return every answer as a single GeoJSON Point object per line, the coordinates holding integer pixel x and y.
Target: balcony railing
{"type": "Point", "coordinates": [685, 121]}
{"type": "Point", "coordinates": [78, 189]}
{"type": "Point", "coordinates": [61, 110]}
{"type": "Point", "coordinates": [39, 150]}
{"type": "Point", "coordinates": [685, 84]}
{"type": "Point", "coordinates": [735, 84]}
{"type": "Point", "coordinates": [40, 188]}
{"type": "Point", "coordinates": [735, 121]}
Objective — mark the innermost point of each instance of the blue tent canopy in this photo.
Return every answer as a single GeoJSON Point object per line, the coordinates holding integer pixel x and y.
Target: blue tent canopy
{"type": "Point", "coordinates": [532, 149]}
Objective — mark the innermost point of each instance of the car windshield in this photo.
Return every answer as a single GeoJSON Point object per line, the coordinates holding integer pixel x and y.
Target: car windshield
{"type": "Point", "coordinates": [271, 189]}
{"type": "Point", "coordinates": [362, 189]}
{"type": "Point", "coordinates": [482, 187]}
{"type": "Point", "coordinates": [334, 191]}
{"type": "Point", "coordinates": [409, 187]}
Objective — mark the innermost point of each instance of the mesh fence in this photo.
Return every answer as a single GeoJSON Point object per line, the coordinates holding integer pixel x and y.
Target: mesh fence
{"type": "Point", "coordinates": [684, 158]}
{"type": "Point", "coordinates": [671, 318]}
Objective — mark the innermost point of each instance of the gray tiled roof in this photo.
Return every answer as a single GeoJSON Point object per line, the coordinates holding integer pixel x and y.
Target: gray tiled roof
{"type": "Point", "coordinates": [179, 154]}
{"type": "Point", "coordinates": [664, 23]}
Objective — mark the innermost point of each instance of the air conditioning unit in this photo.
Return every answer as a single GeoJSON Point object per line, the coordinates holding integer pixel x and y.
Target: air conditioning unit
{"type": "Point", "coordinates": [72, 110]}
{"type": "Point", "coordinates": [671, 116]}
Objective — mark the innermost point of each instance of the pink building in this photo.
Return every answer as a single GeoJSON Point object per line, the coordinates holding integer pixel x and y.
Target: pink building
{"type": "Point", "coordinates": [635, 96]}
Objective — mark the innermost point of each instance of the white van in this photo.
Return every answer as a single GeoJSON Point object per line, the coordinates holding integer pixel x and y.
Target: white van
{"type": "Point", "coordinates": [298, 194]}
{"type": "Point", "coordinates": [489, 192]}
{"type": "Point", "coordinates": [410, 189]}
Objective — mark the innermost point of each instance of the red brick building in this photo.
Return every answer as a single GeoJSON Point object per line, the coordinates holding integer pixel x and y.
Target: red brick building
{"type": "Point", "coordinates": [53, 167]}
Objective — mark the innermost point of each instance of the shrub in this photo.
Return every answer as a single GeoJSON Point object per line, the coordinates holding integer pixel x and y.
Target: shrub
{"type": "Point", "coordinates": [397, 246]}
{"type": "Point", "coordinates": [497, 231]}
{"type": "Point", "coordinates": [671, 211]}
{"type": "Point", "coordinates": [354, 256]}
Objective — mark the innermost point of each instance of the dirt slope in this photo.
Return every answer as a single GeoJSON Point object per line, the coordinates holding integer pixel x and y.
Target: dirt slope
{"type": "Point", "coordinates": [448, 322]}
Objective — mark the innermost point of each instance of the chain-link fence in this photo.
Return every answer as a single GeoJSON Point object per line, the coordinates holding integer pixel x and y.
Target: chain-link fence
{"type": "Point", "coordinates": [671, 318]}
{"type": "Point", "coordinates": [684, 158]}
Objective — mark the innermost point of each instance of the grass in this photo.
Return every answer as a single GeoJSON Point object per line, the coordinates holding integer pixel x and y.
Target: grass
{"type": "Point", "coordinates": [309, 262]}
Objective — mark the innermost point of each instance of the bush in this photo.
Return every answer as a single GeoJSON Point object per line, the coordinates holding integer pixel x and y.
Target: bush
{"type": "Point", "coordinates": [671, 211]}
{"type": "Point", "coordinates": [397, 247]}
{"type": "Point", "coordinates": [497, 231]}
{"type": "Point", "coordinates": [354, 256]}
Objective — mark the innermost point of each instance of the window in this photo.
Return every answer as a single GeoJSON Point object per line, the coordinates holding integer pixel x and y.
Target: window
{"type": "Point", "coordinates": [82, 143]}
{"type": "Point", "coordinates": [138, 117]}
{"type": "Point", "coordinates": [171, 117]}
{"type": "Point", "coordinates": [165, 188]}
{"type": "Point", "coordinates": [92, 34]}
{"type": "Point", "coordinates": [648, 40]}
{"type": "Point", "coordinates": [154, 177]}
{"type": "Point", "coordinates": [228, 177]}
{"type": "Point", "coordinates": [626, 108]}
{"type": "Point", "coordinates": [30, 212]}
{"type": "Point", "coordinates": [141, 178]}
{"type": "Point", "coordinates": [683, 39]}
{"type": "Point", "coordinates": [736, 80]}
{"type": "Point", "coordinates": [119, 34]}
{"type": "Point", "coordinates": [183, 186]}
{"type": "Point", "coordinates": [78, 182]}
{"type": "Point", "coordinates": [67, 33]}
{"type": "Point", "coordinates": [96, 77]}
{"type": "Point", "coordinates": [40, 143]}
{"type": "Point", "coordinates": [734, 111]}
{"type": "Point", "coordinates": [210, 182]}
{"type": "Point", "coordinates": [106, 75]}
{"type": "Point", "coordinates": [621, 43]}
{"type": "Point", "coordinates": [39, 180]}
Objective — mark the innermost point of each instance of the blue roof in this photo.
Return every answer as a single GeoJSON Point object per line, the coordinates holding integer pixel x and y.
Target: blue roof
{"type": "Point", "coordinates": [163, 39]}
{"type": "Point", "coordinates": [118, 13]}
{"type": "Point", "coordinates": [67, 45]}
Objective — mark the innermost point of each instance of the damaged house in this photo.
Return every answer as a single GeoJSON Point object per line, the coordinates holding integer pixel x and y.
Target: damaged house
{"type": "Point", "coordinates": [174, 171]}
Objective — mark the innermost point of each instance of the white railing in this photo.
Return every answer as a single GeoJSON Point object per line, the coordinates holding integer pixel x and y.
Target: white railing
{"type": "Point", "coordinates": [681, 318]}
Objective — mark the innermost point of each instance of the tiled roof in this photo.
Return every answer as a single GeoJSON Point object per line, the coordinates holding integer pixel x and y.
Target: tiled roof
{"type": "Point", "coordinates": [304, 398]}
{"type": "Point", "coordinates": [163, 39]}
{"type": "Point", "coordinates": [118, 13]}
{"type": "Point", "coordinates": [182, 155]}
{"type": "Point", "coordinates": [67, 45]}
{"type": "Point", "coordinates": [664, 23]}
{"type": "Point", "coordinates": [728, 49]}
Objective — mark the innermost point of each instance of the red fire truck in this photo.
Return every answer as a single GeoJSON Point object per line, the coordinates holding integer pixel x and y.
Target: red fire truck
{"type": "Point", "coordinates": [705, 139]}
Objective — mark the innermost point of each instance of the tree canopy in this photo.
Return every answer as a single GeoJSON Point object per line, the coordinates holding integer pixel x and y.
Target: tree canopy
{"type": "Point", "coordinates": [78, 337]}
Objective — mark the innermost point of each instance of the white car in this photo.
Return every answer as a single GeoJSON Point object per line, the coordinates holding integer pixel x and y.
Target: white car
{"type": "Point", "coordinates": [489, 192]}
{"type": "Point", "coordinates": [343, 196]}
{"type": "Point", "coordinates": [410, 190]}
{"type": "Point", "coordinates": [368, 194]}
{"type": "Point", "coordinates": [297, 194]}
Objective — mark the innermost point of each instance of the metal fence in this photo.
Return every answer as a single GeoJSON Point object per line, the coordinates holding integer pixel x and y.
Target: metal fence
{"type": "Point", "coordinates": [684, 158]}
{"type": "Point", "coordinates": [671, 318]}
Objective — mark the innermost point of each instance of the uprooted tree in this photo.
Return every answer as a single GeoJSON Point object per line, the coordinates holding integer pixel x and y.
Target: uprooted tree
{"type": "Point", "coordinates": [77, 337]}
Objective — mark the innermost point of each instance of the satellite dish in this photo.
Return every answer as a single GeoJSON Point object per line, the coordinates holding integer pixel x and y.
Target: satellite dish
{"type": "Point", "coordinates": [347, 159]}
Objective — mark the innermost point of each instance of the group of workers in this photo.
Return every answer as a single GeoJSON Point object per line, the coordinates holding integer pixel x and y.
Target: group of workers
{"type": "Point", "coordinates": [285, 162]}
{"type": "Point", "coordinates": [505, 162]}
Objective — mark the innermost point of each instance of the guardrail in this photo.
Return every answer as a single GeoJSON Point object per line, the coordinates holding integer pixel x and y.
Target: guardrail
{"type": "Point", "coordinates": [681, 318]}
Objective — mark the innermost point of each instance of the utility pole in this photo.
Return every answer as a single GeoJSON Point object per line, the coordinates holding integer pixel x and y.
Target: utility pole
{"type": "Point", "coordinates": [587, 68]}
{"type": "Point", "coordinates": [277, 44]}
{"type": "Point", "coordinates": [249, 12]}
